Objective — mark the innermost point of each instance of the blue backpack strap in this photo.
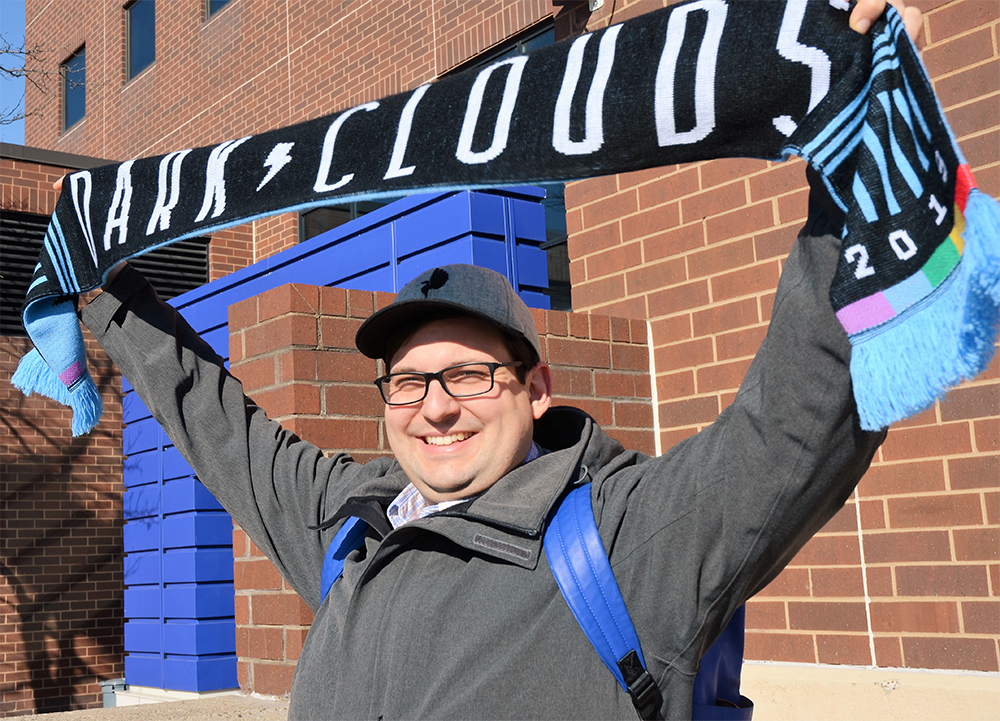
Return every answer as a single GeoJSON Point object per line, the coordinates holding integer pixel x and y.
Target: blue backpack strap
{"type": "Point", "coordinates": [350, 537]}
{"type": "Point", "coordinates": [717, 685]}
{"type": "Point", "coordinates": [583, 573]}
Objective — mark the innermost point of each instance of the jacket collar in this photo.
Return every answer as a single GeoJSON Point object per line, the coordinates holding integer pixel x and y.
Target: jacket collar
{"type": "Point", "coordinates": [508, 520]}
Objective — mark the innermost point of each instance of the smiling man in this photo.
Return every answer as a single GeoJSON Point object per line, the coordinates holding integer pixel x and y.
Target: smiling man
{"type": "Point", "coordinates": [447, 606]}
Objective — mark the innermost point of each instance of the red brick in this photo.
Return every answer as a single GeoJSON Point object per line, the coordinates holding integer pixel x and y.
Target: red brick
{"type": "Point", "coordinates": [722, 376]}
{"type": "Point", "coordinates": [279, 609]}
{"type": "Point", "coordinates": [879, 581]}
{"type": "Point", "coordinates": [573, 381]}
{"type": "Point", "coordinates": [950, 509]}
{"type": "Point", "coordinates": [830, 551]}
{"type": "Point", "coordinates": [672, 242]}
{"type": "Point", "coordinates": [827, 616]}
{"type": "Point", "coordinates": [981, 617]}
{"type": "Point", "coordinates": [888, 652]}
{"type": "Point", "coordinates": [744, 221]}
{"type": "Point", "coordinates": [281, 333]}
{"type": "Point", "coordinates": [243, 314]}
{"type": "Point", "coordinates": [678, 298]}
{"type": "Point", "coordinates": [586, 191]}
{"type": "Point", "coordinates": [353, 400]}
{"type": "Point", "coordinates": [264, 643]}
{"type": "Point", "coordinates": [288, 399]}
{"type": "Point", "coordinates": [286, 299]}
{"type": "Point", "coordinates": [766, 615]}
{"type": "Point", "coordinates": [653, 276]}
{"type": "Point", "coordinates": [987, 435]}
{"type": "Point", "coordinates": [790, 582]}
{"type": "Point", "coordinates": [713, 202]}
{"type": "Point", "coordinates": [648, 222]}
{"type": "Point", "coordinates": [780, 647]}
{"type": "Point", "coordinates": [597, 408]}
{"type": "Point", "coordinates": [744, 281]}
{"type": "Point", "coordinates": [294, 640]}
{"type": "Point", "coordinates": [976, 472]}
{"type": "Point", "coordinates": [911, 477]}
{"type": "Point", "coordinates": [338, 332]}
{"type": "Point", "coordinates": [958, 53]}
{"type": "Point", "coordinates": [723, 170]}
{"type": "Point", "coordinates": [589, 354]}
{"type": "Point", "coordinates": [960, 17]}
{"type": "Point", "coordinates": [903, 546]}
{"type": "Point", "coordinates": [837, 582]}
{"type": "Point", "coordinates": [593, 240]}
{"type": "Point", "coordinates": [614, 260]}
{"type": "Point", "coordinates": [675, 385]}
{"type": "Point", "coordinates": [781, 179]}
{"type": "Point", "coordinates": [633, 415]}
{"type": "Point", "coordinates": [775, 243]}
{"type": "Point", "coordinates": [952, 580]}
{"type": "Point", "coordinates": [720, 258]}
{"type": "Point", "coordinates": [974, 654]}
{"type": "Point", "coordinates": [639, 440]}
{"type": "Point", "coordinates": [671, 330]}
{"type": "Point", "coordinates": [927, 442]}
{"type": "Point", "coordinates": [335, 433]}
{"type": "Point", "coordinates": [720, 318]}
{"type": "Point", "coordinates": [256, 575]}
{"type": "Point", "coordinates": [558, 322]}
{"type": "Point", "coordinates": [848, 649]}
{"type": "Point", "coordinates": [688, 412]}
{"type": "Point", "coordinates": [273, 679]}
{"type": "Point", "coordinates": [968, 84]}
{"type": "Point", "coordinates": [669, 188]}
{"type": "Point", "coordinates": [683, 355]}
{"type": "Point", "coordinates": [333, 301]}
{"type": "Point", "coordinates": [610, 209]}
{"type": "Point", "coordinates": [594, 293]}
{"type": "Point", "coordinates": [977, 544]}
{"type": "Point", "coordinates": [915, 616]}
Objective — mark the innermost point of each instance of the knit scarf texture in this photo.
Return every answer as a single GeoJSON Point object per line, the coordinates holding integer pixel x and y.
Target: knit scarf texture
{"type": "Point", "coordinates": [918, 285]}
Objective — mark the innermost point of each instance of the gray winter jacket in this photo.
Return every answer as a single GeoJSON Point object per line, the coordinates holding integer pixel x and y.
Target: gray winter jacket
{"type": "Point", "coordinates": [457, 615]}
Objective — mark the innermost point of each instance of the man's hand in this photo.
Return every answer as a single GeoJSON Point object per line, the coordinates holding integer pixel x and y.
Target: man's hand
{"type": "Point", "coordinates": [867, 12]}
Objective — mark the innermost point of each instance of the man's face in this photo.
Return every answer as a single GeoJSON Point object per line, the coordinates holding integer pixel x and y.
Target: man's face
{"type": "Point", "coordinates": [455, 448]}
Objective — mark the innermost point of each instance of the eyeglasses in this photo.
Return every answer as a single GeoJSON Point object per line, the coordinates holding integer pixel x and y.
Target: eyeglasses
{"type": "Point", "coordinates": [459, 381]}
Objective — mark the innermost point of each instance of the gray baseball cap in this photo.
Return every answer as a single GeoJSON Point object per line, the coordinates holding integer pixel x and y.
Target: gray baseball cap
{"type": "Point", "coordinates": [466, 289]}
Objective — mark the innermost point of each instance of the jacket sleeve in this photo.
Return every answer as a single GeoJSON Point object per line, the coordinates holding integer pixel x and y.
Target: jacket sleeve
{"type": "Point", "coordinates": [274, 484]}
{"type": "Point", "coordinates": [699, 530]}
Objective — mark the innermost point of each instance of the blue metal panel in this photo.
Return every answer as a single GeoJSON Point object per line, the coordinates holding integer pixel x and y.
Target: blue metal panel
{"type": "Point", "coordinates": [142, 567]}
{"type": "Point", "coordinates": [193, 673]}
{"type": "Point", "coordinates": [187, 575]}
{"type": "Point", "coordinates": [133, 409]}
{"type": "Point", "coordinates": [140, 501]}
{"type": "Point", "coordinates": [143, 602]}
{"type": "Point", "coordinates": [534, 300]}
{"type": "Point", "coordinates": [143, 636]}
{"type": "Point", "coordinates": [141, 468]}
{"type": "Point", "coordinates": [189, 494]}
{"type": "Point", "coordinates": [140, 436]}
{"type": "Point", "coordinates": [195, 565]}
{"type": "Point", "coordinates": [195, 638]}
{"type": "Point", "coordinates": [199, 600]}
{"type": "Point", "coordinates": [141, 535]}
{"type": "Point", "coordinates": [198, 528]}
{"type": "Point", "coordinates": [142, 669]}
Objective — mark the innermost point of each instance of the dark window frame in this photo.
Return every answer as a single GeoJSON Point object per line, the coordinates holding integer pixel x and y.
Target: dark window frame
{"type": "Point", "coordinates": [130, 72]}
{"type": "Point", "coordinates": [210, 13]}
{"type": "Point", "coordinates": [74, 86]}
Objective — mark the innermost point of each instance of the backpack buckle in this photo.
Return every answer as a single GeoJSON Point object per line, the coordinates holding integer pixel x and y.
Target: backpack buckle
{"type": "Point", "coordinates": [645, 694]}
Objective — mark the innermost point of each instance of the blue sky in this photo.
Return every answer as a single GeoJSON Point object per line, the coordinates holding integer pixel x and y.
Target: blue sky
{"type": "Point", "coordinates": [12, 27]}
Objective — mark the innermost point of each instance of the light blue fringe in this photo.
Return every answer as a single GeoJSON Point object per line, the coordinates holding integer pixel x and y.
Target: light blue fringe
{"type": "Point", "coordinates": [902, 368]}
{"type": "Point", "coordinates": [33, 375]}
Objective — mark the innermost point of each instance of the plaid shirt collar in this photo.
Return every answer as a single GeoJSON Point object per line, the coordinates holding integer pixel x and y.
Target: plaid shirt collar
{"type": "Point", "coordinates": [410, 504]}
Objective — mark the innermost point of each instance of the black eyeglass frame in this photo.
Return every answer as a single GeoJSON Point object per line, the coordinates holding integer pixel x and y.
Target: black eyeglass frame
{"type": "Point", "coordinates": [439, 377]}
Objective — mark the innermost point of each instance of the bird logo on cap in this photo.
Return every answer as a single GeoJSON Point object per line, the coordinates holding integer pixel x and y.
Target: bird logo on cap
{"type": "Point", "coordinates": [437, 280]}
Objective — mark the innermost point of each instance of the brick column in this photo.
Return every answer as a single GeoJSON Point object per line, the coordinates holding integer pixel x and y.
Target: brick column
{"type": "Point", "coordinates": [293, 349]}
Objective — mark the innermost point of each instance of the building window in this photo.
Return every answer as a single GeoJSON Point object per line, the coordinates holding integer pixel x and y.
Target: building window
{"type": "Point", "coordinates": [320, 220]}
{"type": "Point", "coordinates": [141, 33]}
{"type": "Point", "coordinates": [214, 6]}
{"type": "Point", "coordinates": [555, 201]}
{"type": "Point", "coordinates": [74, 91]}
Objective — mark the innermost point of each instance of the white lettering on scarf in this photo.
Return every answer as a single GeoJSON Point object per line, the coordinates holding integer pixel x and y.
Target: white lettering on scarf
{"type": "Point", "coordinates": [321, 186]}
{"type": "Point", "coordinates": [815, 59]}
{"type": "Point", "coordinates": [594, 118]}
{"type": "Point", "coordinates": [120, 205]}
{"type": "Point", "coordinates": [396, 169]}
{"type": "Point", "coordinates": [82, 207]}
{"type": "Point", "coordinates": [704, 79]}
{"type": "Point", "coordinates": [215, 178]}
{"type": "Point", "coordinates": [501, 128]}
{"type": "Point", "coordinates": [170, 167]}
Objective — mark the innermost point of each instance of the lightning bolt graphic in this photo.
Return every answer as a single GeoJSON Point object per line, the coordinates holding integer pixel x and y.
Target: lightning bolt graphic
{"type": "Point", "coordinates": [277, 159]}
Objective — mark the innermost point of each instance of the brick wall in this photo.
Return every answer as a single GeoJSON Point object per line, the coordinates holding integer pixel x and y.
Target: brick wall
{"type": "Point", "coordinates": [293, 349]}
{"type": "Point", "coordinates": [60, 521]}
{"type": "Point", "coordinates": [697, 249]}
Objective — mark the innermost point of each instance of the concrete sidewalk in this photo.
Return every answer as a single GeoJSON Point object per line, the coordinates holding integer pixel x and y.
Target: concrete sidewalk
{"type": "Point", "coordinates": [219, 708]}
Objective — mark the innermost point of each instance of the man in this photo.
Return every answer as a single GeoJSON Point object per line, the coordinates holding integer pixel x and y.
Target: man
{"type": "Point", "coordinates": [449, 608]}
